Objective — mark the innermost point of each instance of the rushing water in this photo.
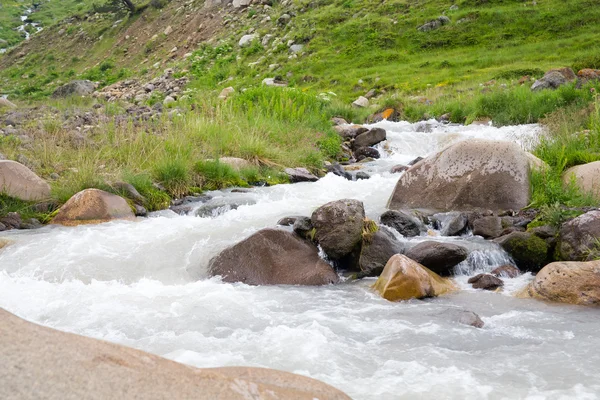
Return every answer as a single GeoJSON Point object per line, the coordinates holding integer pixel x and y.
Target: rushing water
{"type": "Point", "coordinates": [143, 284]}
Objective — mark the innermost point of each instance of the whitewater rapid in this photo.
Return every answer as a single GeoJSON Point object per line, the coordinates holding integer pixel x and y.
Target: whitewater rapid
{"type": "Point", "coordinates": [144, 284]}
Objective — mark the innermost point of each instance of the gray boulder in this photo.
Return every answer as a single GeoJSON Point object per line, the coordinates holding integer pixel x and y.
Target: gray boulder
{"type": "Point", "coordinates": [407, 225]}
{"type": "Point", "coordinates": [369, 138]}
{"type": "Point", "coordinates": [579, 238]}
{"type": "Point", "coordinates": [553, 79]}
{"type": "Point", "coordinates": [451, 223]}
{"type": "Point", "coordinates": [468, 175]}
{"type": "Point", "coordinates": [376, 251]}
{"type": "Point", "coordinates": [273, 257]}
{"type": "Point", "coordinates": [439, 257]}
{"type": "Point", "coordinates": [487, 227]}
{"type": "Point", "coordinates": [75, 88]}
{"type": "Point", "coordinates": [18, 181]}
{"type": "Point", "coordinates": [300, 175]}
{"type": "Point", "coordinates": [434, 24]}
{"type": "Point", "coordinates": [339, 226]}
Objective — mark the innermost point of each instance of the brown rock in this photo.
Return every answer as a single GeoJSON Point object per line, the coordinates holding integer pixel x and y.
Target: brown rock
{"type": "Point", "coordinates": [586, 177]}
{"type": "Point", "coordinates": [487, 227]}
{"type": "Point", "coordinates": [508, 271]}
{"type": "Point", "coordinates": [339, 226]}
{"type": "Point", "coordinates": [567, 282]}
{"type": "Point", "coordinates": [467, 175]}
{"type": "Point", "coordinates": [396, 169]}
{"type": "Point", "coordinates": [18, 181]}
{"type": "Point", "coordinates": [578, 238]}
{"type": "Point", "coordinates": [45, 364]}
{"type": "Point", "coordinates": [370, 138]}
{"type": "Point", "coordinates": [273, 257]}
{"type": "Point", "coordinates": [439, 257]}
{"type": "Point", "coordinates": [93, 206]}
{"type": "Point", "coordinates": [486, 281]}
{"type": "Point", "coordinates": [349, 131]}
{"type": "Point", "coordinates": [404, 279]}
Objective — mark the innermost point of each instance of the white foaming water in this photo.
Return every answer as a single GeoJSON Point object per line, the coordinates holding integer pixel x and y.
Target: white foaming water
{"type": "Point", "coordinates": [143, 284]}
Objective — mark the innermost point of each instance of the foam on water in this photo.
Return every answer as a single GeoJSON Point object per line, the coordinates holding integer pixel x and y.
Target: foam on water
{"type": "Point", "coordinates": [135, 283]}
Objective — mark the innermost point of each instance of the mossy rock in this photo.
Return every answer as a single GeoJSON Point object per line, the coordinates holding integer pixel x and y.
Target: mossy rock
{"type": "Point", "coordinates": [529, 252]}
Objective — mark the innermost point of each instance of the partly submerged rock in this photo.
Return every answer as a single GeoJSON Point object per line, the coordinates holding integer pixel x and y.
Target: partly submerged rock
{"type": "Point", "coordinates": [273, 257]}
{"type": "Point", "coordinates": [376, 251]}
{"type": "Point", "coordinates": [93, 206]}
{"type": "Point", "coordinates": [506, 271]}
{"type": "Point", "coordinates": [407, 225]}
{"type": "Point", "coordinates": [404, 279]}
{"type": "Point", "coordinates": [369, 138]}
{"type": "Point", "coordinates": [486, 282]}
{"type": "Point", "coordinates": [339, 226]}
{"type": "Point", "coordinates": [528, 251]}
{"type": "Point", "coordinates": [567, 282]}
{"type": "Point", "coordinates": [18, 181]}
{"type": "Point", "coordinates": [43, 363]}
{"type": "Point", "coordinates": [439, 257]}
{"type": "Point", "coordinates": [300, 175]}
{"type": "Point", "coordinates": [468, 175]}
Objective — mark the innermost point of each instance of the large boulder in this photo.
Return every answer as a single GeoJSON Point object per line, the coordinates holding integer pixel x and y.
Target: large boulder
{"type": "Point", "coordinates": [404, 279]}
{"type": "Point", "coordinates": [18, 181]}
{"type": "Point", "coordinates": [468, 175]}
{"type": "Point", "coordinates": [75, 88]}
{"type": "Point", "coordinates": [567, 282]}
{"type": "Point", "coordinates": [339, 226]}
{"type": "Point", "coordinates": [43, 363]}
{"type": "Point", "coordinates": [273, 257]}
{"type": "Point", "coordinates": [528, 251]}
{"type": "Point", "coordinates": [93, 206]}
{"type": "Point", "coordinates": [586, 177]}
{"type": "Point", "coordinates": [578, 238]}
{"type": "Point", "coordinates": [439, 257]}
{"type": "Point", "coordinates": [554, 78]}
{"type": "Point", "coordinates": [407, 225]}
{"type": "Point", "coordinates": [376, 251]}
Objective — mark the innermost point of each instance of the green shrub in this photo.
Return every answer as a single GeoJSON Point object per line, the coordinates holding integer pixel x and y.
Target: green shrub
{"type": "Point", "coordinates": [217, 175]}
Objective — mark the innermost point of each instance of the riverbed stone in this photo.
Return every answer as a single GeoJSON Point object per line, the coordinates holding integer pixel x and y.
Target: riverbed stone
{"type": "Point", "coordinates": [18, 181]}
{"type": "Point", "coordinates": [303, 227]}
{"type": "Point", "coordinates": [273, 257]}
{"type": "Point", "coordinates": [569, 282]}
{"type": "Point", "coordinates": [339, 226]}
{"type": "Point", "coordinates": [369, 138]}
{"type": "Point", "coordinates": [93, 206]}
{"type": "Point", "coordinates": [529, 252]}
{"type": "Point", "coordinates": [578, 238]}
{"type": "Point", "coordinates": [350, 131]}
{"type": "Point", "coordinates": [507, 271]}
{"type": "Point", "coordinates": [44, 363]}
{"type": "Point", "coordinates": [486, 282]}
{"type": "Point", "coordinates": [407, 225]}
{"type": "Point", "coordinates": [405, 279]}
{"type": "Point", "coordinates": [300, 175]}
{"type": "Point", "coordinates": [488, 227]}
{"type": "Point", "coordinates": [451, 223]}
{"type": "Point", "coordinates": [439, 257]}
{"type": "Point", "coordinates": [464, 317]}
{"type": "Point", "coordinates": [376, 251]}
{"type": "Point", "coordinates": [586, 178]}
{"type": "Point", "coordinates": [472, 174]}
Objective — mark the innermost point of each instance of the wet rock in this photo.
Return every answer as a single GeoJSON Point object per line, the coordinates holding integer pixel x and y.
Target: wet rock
{"type": "Point", "coordinates": [303, 227]}
{"type": "Point", "coordinates": [300, 175]}
{"type": "Point", "coordinates": [544, 231]}
{"type": "Point", "coordinates": [376, 251]}
{"type": "Point", "coordinates": [567, 282]}
{"type": "Point", "coordinates": [2, 228]}
{"type": "Point", "coordinates": [12, 220]}
{"type": "Point", "coordinates": [439, 257]}
{"type": "Point", "coordinates": [451, 223]}
{"type": "Point", "coordinates": [186, 205]}
{"type": "Point", "coordinates": [416, 160]}
{"type": "Point", "coordinates": [31, 223]}
{"type": "Point", "coordinates": [465, 317]}
{"type": "Point", "coordinates": [405, 279]}
{"type": "Point", "coordinates": [389, 114]}
{"type": "Point", "coordinates": [75, 88]}
{"type": "Point", "coordinates": [578, 238]}
{"type": "Point", "coordinates": [129, 191]}
{"type": "Point", "coordinates": [337, 169]}
{"type": "Point", "coordinates": [396, 169]}
{"type": "Point", "coordinates": [467, 175]}
{"type": "Point", "coordinates": [528, 251]}
{"type": "Point", "coordinates": [362, 175]}
{"type": "Point", "coordinates": [486, 282]}
{"type": "Point", "coordinates": [507, 271]}
{"type": "Point", "coordinates": [553, 79]}
{"type": "Point", "coordinates": [273, 257]}
{"type": "Point", "coordinates": [488, 227]}
{"type": "Point", "coordinates": [288, 221]}
{"type": "Point", "coordinates": [82, 366]}
{"type": "Point", "coordinates": [140, 211]}
{"type": "Point", "coordinates": [93, 206]}
{"type": "Point", "coordinates": [586, 178]}
{"type": "Point", "coordinates": [369, 138]}
{"type": "Point", "coordinates": [350, 131]}
{"type": "Point", "coordinates": [339, 226]}
{"type": "Point", "coordinates": [406, 225]}
{"type": "Point", "coordinates": [366, 152]}
{"type": "Point", "coordinates": [213, 209]}
{"type": "Point", "coordinates": [18, 181]}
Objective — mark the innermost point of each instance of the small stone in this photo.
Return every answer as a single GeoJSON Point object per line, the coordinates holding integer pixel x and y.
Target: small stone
{"type": "Point", "coordinates": [168, 30]}
{"type": "Point", "coordinates": [508, 271]}
{"type": "Point", "coordinates": [486, 282]}
{"type": "Point", "coordinates": [361, 102]}
{"type": "Point", "coordinates": [168, 100]}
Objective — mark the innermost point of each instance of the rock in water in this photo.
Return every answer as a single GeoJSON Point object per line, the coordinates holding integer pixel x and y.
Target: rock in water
{"type": "Point", "coordinates": [273, 257]}
{"type": "Point", "coordinates": [567, 282]}
{"type": "Point", "coordinates": [467, 175]}
{"type": "Point", "coordinates": [75, 88]}
{"type": "Point", "coordinates": [370, 138]}
{"type": "Point", "coordinates": [93, 206]}
{"type": "Point", "coordinates": [377, 251]}
{"type": "Point", "coordinates": [487, 227]}
{"type": "Point", "coordinates": [339, 226]}
{"type": "Point", "coordinates": [486, 281]}
{"type": "Point", "coordinates": [528, 251]}
{"type": "Point", "coordinates": [85, 368]}
{"type": "Point", "coordinates": [578, 239]}
{"type": "Point", "coordinates": [404, 279]}
{"type": "Point", "coordinates": [300, 175]}
{"type": "Point", "coordinates": [18, 181]}
{"type": "Point", "coordinates": [439, 257]}
{"type": "Point", "coordinates": [508, 271]}
{"type": "Point", "coordinates": [405, 224]}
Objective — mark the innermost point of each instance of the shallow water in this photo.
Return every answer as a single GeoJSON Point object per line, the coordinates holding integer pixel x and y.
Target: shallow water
{"type": "Point", "coordinates": [143, 284]}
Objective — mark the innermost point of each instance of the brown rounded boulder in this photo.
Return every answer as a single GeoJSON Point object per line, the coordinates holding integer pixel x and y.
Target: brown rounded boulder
{"type": "Point", "coordinates": [467, 175]}
{"type": "Point", "coordinates": [586, 178]}
{"type": "Point", "coordinates": [42, 363]}
{"type": "Point", "coordinates": [567, 282]}
{"type": "Point", "coordinates": [93, 206]}
{"type": "Point", "coordinates": [273, 257]}
{"type": "Point", "coordinates": [339, 226]}
{"type": "Point", "coordinates": [404, 279]}
{"type": "Point", "coordinates": [18, 181]}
